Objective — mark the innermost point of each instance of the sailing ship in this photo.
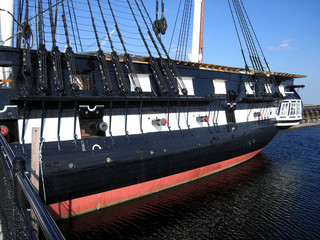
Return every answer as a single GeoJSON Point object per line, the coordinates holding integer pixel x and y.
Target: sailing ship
{"type": "Point", "coordinates": [116, 126]}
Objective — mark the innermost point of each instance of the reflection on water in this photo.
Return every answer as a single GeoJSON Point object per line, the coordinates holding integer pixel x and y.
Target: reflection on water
{"type": "Point", "coordinates": [275, 195]}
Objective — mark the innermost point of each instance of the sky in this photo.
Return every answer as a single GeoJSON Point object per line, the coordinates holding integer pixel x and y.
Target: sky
{"type": "Point", "coordinates": [288, 32]}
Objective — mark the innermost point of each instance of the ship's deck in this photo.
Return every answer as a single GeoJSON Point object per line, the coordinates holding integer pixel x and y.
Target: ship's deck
{"type": "Point", "coordinates": [207, 66]}
{"type": "Point", "coordinates": [214, 67]}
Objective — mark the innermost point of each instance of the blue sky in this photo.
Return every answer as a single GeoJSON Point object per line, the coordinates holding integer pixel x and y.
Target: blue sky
{"type": "Point", "coordinates": [288, 31]}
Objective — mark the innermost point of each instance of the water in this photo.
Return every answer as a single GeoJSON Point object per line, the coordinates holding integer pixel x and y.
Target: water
{"type": "Point", "coordinates": [276, 195]}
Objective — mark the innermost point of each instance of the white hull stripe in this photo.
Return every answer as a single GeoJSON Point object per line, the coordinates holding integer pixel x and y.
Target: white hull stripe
{"type": "Point", "coordinates": [134, 124]}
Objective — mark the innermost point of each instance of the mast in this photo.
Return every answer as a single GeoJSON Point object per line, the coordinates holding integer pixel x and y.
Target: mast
{"type": "Point", "coordinates": [197, 33]}
{"type": "Point", "coordinates": [6, 21]}
{"type": "Point", "coordinates": [201, 33]}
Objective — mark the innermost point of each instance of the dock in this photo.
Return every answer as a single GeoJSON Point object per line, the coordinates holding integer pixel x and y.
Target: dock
{"type": "Point", "coordinates": [311, 113]}
{"type": "Point", "coordinates": [311, 116]}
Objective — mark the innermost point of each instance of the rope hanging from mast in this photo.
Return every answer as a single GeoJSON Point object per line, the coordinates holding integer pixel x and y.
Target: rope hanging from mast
{"type": "Point", "coordinates": [251, 48]}
{"type": "Point", "coordinates": [156, 72]}
{"type": "Point", "coordinates": [174, 27]}
{"type": "Point", "coordinates": [42, 53]}
{"type": "Point", "coordinates": [69, 54]}
{"type": "Point", "coordinates": [182, 47]}
{"type": "Point", "coordinates": [167, 66]}
{"type": "Point", "coordinates": [101, 58]}
{"type": "Point", "coordinates": [128, 60]}
{"type": "Point", "coordinates": [247, 34]}
{"type": "Point", "coordinates": [251, 40]}
{"type": "Point", "coordinates": [238, 36]}
{"type": "Point", "coordinates": [167, 72]}
{"type": "Point", "coordinates": [19, 21]}
{"type": "Point", "coordinates": [255, 36]}
{"type": "Point", "coordinates": [174, 76]}
{"type": "Point", "coordinates": [55, 52]}
{"type": "Point", "coordinates": [115, 59]}
{"type": "Point", "coordinates": [74, 36]}
{"type": "Point", "coordinates": [40, 25]}
{"type": "Point", "coordinates": [273, 80]}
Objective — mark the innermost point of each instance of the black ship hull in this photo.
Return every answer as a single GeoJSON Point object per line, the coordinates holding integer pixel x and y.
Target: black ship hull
{"type": "Point", "coordinates": [162, 157]}
{"type": "Point", "coordinates": [99, 149]}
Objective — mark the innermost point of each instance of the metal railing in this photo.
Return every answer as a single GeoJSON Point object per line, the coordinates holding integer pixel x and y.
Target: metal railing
{"type": "Point", "coordinates": [24, 189]}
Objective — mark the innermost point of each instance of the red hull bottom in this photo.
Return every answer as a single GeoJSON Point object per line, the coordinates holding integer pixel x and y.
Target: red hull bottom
{"type": "Point", "coordinates": [94, 202]}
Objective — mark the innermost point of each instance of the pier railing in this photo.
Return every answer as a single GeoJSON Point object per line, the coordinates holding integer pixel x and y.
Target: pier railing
{"type": "Point", "coordinates": [17, 195]}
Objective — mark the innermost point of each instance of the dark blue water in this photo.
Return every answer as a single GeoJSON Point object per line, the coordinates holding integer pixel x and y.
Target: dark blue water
{"type": "Point", "coordinates": [276, 195]}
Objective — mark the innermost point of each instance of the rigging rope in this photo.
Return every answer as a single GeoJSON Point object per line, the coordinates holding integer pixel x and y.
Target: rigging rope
{"type": "Point", "coordinates": [174, 76]}
{"type": "Point", "coordinates": [184, 31]}
{"type": "Point", "coordinates": [55, 52]}
{"type": "Point", "coordinates": [188, 27]}
{"type": "Point", "coordinates": [115, 59]}
{"type": "Point", "coordinates": [27, 35]}
{"type": "Point", "coordinates": [74, 36]}
{"type": "Point", "coordinates": [65, 27]}
{"type": "Point", "coordinates": [42, 53]}
{"type": "Point", "coordinates": [19, 20]}
{"type": "Point", "coordinates": [75, 18]}
{"type": "Point", "coordinates": [128, 60]}
{"type": "Point", "coordinates": [264, 82]}
{"type": "Point", "coordinates": [175, 23]}
{"type": "Point", "coordinates": [101, 58]}
{"type": "Point", "coordinates": [253, 54]}
{"type": "Point", "coordinates": [156, 72]}
{"type": "Point", "coordinates": [41, 30]}
{"type": "Point", "coordinates": [37, 21]}
{"type": "Point", "coordinates": [69, 54]}
{"type": "Point", "coordinates": [148, 30]}
{"type": "Point", "coordinates": [235, 25]}
{"type": "Point", "coordinates": [273, 80]}
{"type": "Point", "coordinates": [255, 35]}
{"type": "Point", "coordinates": [167, 72]}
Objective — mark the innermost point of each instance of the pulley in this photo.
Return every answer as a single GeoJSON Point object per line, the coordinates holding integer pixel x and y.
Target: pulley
{"type": "Point", "coordinates": [26, 34]}
{"type": "Point", "coordinates": [160, 25]}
